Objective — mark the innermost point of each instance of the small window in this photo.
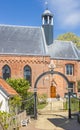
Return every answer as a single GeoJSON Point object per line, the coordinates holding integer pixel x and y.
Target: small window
{"type": "Point", "coordinates": [79, 90]}
{"type": "Point", "coordinates": [27, 73]}
{"type": "Point", "coordinates": [71, 86]}
{"type": "Point", "coordinates": [69, 69]}
{"type": "Point", "coordinates": [6, 72]}
{"type": "Point", "coordinates": [78, 86]}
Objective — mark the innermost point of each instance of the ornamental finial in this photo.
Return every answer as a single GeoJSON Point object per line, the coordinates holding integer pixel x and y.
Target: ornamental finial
{"type": "Point", "coordinates": [46, 5]}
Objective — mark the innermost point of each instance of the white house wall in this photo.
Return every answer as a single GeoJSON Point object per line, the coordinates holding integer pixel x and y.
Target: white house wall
{"type": "Point", "coordinates": [4, 100]}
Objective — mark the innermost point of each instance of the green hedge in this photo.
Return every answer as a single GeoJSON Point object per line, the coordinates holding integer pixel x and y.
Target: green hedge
{"type": "Point", "coordinates": [74, 104]}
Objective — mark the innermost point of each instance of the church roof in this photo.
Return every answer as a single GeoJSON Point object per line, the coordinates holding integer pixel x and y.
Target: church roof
{"type": "Point", "coordinates": [21, 40]}
{"type": "Point", "coordinates": [63, 50]}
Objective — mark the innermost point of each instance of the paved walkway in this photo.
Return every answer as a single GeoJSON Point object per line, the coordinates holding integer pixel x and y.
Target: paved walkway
{"type": "Point", "coordinates": [55, 121]}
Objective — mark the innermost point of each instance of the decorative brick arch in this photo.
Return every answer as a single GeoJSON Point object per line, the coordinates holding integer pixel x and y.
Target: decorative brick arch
{"type": "Point", "coordinates": [52, 72]}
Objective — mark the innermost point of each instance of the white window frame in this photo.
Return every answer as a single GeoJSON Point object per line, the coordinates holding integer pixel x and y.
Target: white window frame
{"type": "Point", "coordinates": [69, 69]}
{"type": "Point", "coordinates": [72, 87]}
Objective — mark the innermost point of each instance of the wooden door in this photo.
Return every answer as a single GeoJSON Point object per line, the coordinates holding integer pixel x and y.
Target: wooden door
{"type": "Point", "coordinates": [53, 92]}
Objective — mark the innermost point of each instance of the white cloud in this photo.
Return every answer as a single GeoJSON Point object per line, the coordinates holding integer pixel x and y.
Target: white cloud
{"type": "Point", "coordinates": [72, 20]}
{"type": "Point", "coordinates": [67, 12]}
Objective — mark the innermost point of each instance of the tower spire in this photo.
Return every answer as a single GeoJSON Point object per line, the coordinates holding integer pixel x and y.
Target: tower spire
{"type": "Point", "coordinates": [47, 24]}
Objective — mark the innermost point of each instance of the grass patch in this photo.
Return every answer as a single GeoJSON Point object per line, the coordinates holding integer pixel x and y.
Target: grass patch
{"type": "Point", "coordinates": [41, 106]}
{"type": "Point", "coordinates": [74, 104]}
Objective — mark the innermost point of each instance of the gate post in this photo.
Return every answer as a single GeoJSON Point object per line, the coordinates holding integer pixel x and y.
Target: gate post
{"type": "Point", "coordinates": [78, 116]}
{"type": "Point", "coordinates": [69, 111]}
{"type": "Point", "coordinates": [35, 103]}
{"type": "Point", "coordinates": [79, 104]}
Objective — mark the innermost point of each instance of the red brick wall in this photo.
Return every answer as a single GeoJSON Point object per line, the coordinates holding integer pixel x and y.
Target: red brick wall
{"type": "Point", "coordinates": [61, 84]}
{"type": "Point", "coordinates": [40, 64]}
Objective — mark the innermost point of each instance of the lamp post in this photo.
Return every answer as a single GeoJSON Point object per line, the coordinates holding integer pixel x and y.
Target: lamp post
{"type": "Point", "coordinates": [69, 109]}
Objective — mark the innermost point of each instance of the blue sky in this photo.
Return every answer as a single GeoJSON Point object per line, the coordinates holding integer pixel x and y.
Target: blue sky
{"type": "Point", "coordinates": [28, 13]}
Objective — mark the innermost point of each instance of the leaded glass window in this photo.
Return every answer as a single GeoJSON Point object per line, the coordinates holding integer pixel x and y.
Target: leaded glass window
{"type": "Point", "coordinates": [27, 73]}
{"type": "Point", "coordinates": [6, 72]}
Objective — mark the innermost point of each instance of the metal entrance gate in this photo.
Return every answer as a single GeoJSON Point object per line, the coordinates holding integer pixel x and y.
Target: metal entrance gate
{"type": "Point", "coordinates": [74, 103]}
{"type": "Point", "coordinates": [52, 72]}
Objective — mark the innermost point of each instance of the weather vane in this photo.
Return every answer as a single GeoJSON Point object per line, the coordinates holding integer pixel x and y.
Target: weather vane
{"type": "Point", "coordinates": [46, 4]}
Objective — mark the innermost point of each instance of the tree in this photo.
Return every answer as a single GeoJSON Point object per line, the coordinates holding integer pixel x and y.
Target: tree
{"type": "Point", "coordinates": [20, 85]}
{"type": "Point", "coordinates": [70, 37]}
{"type": "Point", "coordinates": [15, 104]}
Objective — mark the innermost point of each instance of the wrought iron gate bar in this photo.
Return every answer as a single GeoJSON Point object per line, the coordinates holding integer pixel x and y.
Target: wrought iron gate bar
{"type": "Point", "coordinates": [28, 98]}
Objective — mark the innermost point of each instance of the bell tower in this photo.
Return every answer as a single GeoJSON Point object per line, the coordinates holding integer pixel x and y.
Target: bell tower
{"type": "Point", "coordinates": [47, 24]}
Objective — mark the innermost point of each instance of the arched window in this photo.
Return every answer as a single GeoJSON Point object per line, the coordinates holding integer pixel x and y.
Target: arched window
{"type": "Point", "coordinates": [27, 73]}
{"type": "Point", "coordinates": [6, 72]}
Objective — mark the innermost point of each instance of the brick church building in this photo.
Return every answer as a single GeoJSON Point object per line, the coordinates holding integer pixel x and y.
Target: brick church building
{"type": "Point", "coordinates": [26, 52]}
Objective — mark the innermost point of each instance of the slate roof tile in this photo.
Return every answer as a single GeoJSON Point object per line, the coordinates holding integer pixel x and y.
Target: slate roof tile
{"type": "Point", "coordinates": [63, 50]}
{"type": "Point", "coordinates": [21, 40]}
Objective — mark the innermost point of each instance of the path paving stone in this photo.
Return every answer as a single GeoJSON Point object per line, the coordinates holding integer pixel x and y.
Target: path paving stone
{"type": "Point", "coordinates": [55, 121]}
